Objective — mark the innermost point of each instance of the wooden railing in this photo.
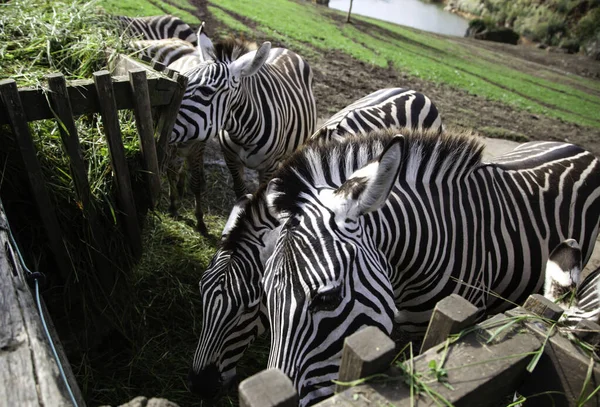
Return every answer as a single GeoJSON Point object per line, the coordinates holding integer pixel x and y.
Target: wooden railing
{"type": "Point", "coordinates": [461, 364]}
{"type": "Point", "coordinates": [141, 91]}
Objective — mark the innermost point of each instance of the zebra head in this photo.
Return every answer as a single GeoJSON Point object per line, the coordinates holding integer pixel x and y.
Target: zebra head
{"type": "Point", "coordinates": [234, 313]}
{"type": "Point", "coordinates": [326, 278]}
{"type": "Point", "coordinates": [563, 272]}
{"type": "Point", "coordinates": [213, 86]}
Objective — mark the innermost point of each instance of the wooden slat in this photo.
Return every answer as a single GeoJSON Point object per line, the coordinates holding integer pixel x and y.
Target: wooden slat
{"type": "Point", "coordinates": [28, 371]}
{"type": "Point", "coordinates": [110, 121]}
{"type": "Point", "coordinates": [14, 107]}
{"type": "Point", "coordinates": [167, 117]}
{"type": "Point", "coordinates": [61, 105]}
{"type": "Point", "coordinates": [84, 99]}
{"type": "Point", "coordinates": [565, 371]}
{"type": "Point", "coordinates": [68, 132]}
{"type": "Point", "coordinates": [145, 128]}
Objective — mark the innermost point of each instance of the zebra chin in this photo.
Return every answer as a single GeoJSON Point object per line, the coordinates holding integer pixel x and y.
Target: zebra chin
{"type": "Point", "coordinates": [209, 383]}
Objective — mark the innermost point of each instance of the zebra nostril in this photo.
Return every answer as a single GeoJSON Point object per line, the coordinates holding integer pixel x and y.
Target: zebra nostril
{"type": "Point", "coordinates": [206, 383]}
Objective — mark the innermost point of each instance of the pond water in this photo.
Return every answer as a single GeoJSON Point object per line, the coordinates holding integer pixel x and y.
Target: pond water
{"type": "Point", "coordinates": [413, 13]}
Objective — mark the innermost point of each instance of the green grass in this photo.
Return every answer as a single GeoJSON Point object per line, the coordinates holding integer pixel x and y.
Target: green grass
{"type": "Point", "coordinates": [138, 8]}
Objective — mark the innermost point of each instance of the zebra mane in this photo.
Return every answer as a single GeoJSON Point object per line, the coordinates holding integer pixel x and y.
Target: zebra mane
{"type": "Point", "coordinates": [255, 208]}
{"type": "Point", "coordinates": [315, 163]}
{"type": "Point", "coordinates": [426, 155]}
{"type": "Point", "coordinates": [229, 49]}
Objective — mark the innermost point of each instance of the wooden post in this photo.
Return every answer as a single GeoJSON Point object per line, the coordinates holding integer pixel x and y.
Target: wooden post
{"type": "Point", "coordinates": [61, 105]}
{"type": "Point", "coordinates": [365, 352]}
{"type": "Point", "coordinates": [450, 316]}
{"type": "Point", "coordinates": [167, 117]}
{"type": "Point", "coordinates": [12, 102]}
{"type": "Point", "coordinates": [542, 306]}
{"type": "Point", "coordinates": [469, 373]}
{"type": "Point", "coordinates": [269, 388]}
{"type": "Point", "coordinates": [563, 368]}
{"type": "Point", "coordinates": [588, 331]}
{"type": "Point", "coordinates": [28, 370]}
{"type": "Point", "coordinates": [145, 127]}
{"type": "Point", "coordinates": [110, 121]}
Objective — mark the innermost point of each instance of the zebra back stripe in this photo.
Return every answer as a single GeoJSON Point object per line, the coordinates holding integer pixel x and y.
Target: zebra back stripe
{"type": "Point", "coordinates": [158, 28]}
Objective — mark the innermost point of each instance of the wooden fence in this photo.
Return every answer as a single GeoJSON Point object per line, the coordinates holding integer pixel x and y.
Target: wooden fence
{"type": "Point", "coordinates": [142, 90]}
{"type": "Point", "coordinates": [29, 374]}
{"type": "Point", "coordinates": [480, 365]}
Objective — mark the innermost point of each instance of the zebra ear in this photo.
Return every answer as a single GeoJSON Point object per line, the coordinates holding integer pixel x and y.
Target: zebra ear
{"type": "Point", "coordinates": [367, 189]}
{"type": "Point", "coordinates": [235, 214]}
{"type": "Point", "coordinates": [271, 194]}
{"type": "Point", "coordinates": [205, 45]}
{"type": "Point", "coordinates": [248, 64]}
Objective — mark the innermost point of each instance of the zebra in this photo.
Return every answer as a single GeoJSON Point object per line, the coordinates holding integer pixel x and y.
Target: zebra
{"type": "Point", "coordinates": [580, 299]}
{"type": "Point", "coordinates": [157, 28]}
{"type": "Point", "coordinates": [170, 52]}
{"type": "Point", "coordinates": [384, 108]}
{"type": "Point", "coordinates": [249, 236]}
{"type": "Point", "coordinates": [376, 230]}
{"type": "Point", "coordinates": [588, 300]}
{"type": "Point", "coordinates": [563, 273]}
{"type": "Point", "coordinates": [258, 103]}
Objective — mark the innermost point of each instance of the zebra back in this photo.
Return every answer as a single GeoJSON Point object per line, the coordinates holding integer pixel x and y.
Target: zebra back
{"type": "Point", "coordinates": [384, 108]}
{"type": "Point", "coordinates": [157, 28]}
{"type": "Point", "coordinates": [167, 51]}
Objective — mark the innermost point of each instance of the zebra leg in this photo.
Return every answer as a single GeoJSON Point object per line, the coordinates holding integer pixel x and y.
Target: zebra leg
{"type": "Point", "coordinates": [237, 172]}
{"type": "Point", "coordinates": [176, 178]}
{"type": "Point", "coordinates": [195, 160]}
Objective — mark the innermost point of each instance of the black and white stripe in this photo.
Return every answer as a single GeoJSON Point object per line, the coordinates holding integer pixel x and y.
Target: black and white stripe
{"type": "Point", "coordinates": [171, 52]}
{"type": "Point", "coordinates": [157, 28]}
{"type": "Point", "coordinates": [258, 102]}
{"type": "Point", "coordinates": [248, 239]}
{"type": "Point", "coordinates": [588, 300]}
{"type": "Point", "coordinates": [377, 230]}
{"type": "Point", "coordinates": [384, 108]}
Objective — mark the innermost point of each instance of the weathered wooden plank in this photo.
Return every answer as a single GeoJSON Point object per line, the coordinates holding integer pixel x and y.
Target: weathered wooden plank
{"type": "Point", "coordinates": [110, 121]}
{"type": "Point", "coordinates": [563, 369]}
{"type": "Point", "coordinates": [269, 388]}
{"type": "Point", "coordinates": [542, 306]}
{"type": "Point", "coordinates": [145, 128]}
{"type": "Point", "coordinates": [365, 352]}
{"type": "Point", "coordinates": [61, 105]}
{"type": "Point", "coordinates": [167, 117]}
{"type": "Point", "coordinates": [28, 371]}
{"type": "Point", "coordinates": [84, 99]}
{"type": "Point", "coordinates": [479, 373]}
{"type": "Point", "coordinates": [14, 107]}
{"type": "Point", "coordinates": [450, 316]}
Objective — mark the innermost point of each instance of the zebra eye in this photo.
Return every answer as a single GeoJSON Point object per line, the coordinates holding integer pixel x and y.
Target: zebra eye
{"type": "Point", "coordinates": [326, 300]}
